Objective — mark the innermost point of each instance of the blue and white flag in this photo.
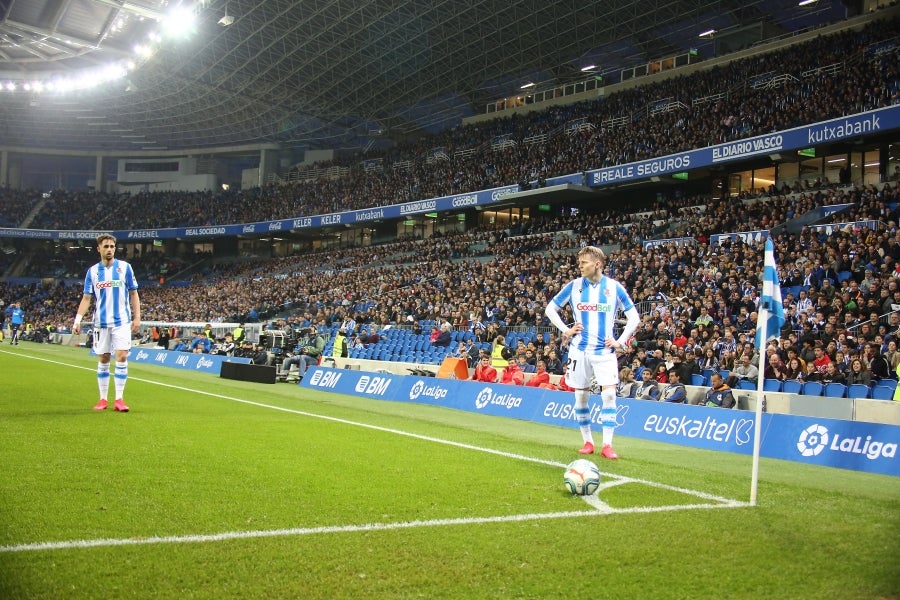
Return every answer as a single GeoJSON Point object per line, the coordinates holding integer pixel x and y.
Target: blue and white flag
{"type": "Point", "coordinates": [771, 298]}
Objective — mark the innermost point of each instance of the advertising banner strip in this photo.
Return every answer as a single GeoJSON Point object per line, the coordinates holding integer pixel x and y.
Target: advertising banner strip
{"type": "Point", "coordinates": [875, 121]}
{"type": "Point", "coordinates": [445, 204]}
{"type": "Point", "coordinates": [206, 363]}
{"type": "Point", "coordinates": [850, 445]}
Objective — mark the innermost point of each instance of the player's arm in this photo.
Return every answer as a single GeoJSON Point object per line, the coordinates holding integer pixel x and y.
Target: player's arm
{"type": "Point", "coordinates": [632, 320]}
{"type": "Point", "coordinates": [552, 312]}
{"type": "Point", "coordinates": [81, 312]}
{"type": "Point", "coordinates": [135, 310]}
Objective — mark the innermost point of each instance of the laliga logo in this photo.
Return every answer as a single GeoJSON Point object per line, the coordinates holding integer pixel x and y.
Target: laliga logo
{"type": "Point", "coordinates": [813, 440]}
{"type": "Point", "coordinates": [431, 391]}
{"type": "Point", "coordinates": [141, 355]}
{"type": "Point", "coordinates": [487, 396]}
{"type": "Point", "coordinates": [204, 362]}
{"type": "Point", "coordinates": [483, 398]}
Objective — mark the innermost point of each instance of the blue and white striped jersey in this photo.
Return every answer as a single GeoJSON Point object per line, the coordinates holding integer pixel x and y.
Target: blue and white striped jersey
{"type": "Point", "coordinates": [111, 287]}
{"type": "Point", "coordinates": [595, 307]}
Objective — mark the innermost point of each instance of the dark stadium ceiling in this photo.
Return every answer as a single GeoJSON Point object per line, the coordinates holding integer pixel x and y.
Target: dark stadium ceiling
{"type": "Point", "coordinates": [327, 73]}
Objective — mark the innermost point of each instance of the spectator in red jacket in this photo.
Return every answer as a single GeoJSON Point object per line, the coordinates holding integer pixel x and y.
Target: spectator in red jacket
{"type": "Point", "coordinates": [512, 374]}
{"type": "Point", "coordinates": [540, 376]}
{"type": "Point", "coordinates": [484, 371]}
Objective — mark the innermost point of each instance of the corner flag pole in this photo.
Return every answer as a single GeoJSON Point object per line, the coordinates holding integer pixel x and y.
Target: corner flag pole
{"type": "Point", "coordinates": [771, 319]}
{"type": "Point", "coordinates": [757, 424]}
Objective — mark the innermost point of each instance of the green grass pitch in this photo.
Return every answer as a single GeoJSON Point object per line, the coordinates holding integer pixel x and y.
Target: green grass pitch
{"type": "Point", "coordinates": [213, 488]}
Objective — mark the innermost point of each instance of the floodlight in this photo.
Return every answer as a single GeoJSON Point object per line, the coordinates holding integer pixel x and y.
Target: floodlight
{"type": "Point", "coordinates": [179, 22]}
{"type": "Point", "coordinates": [226, 20]}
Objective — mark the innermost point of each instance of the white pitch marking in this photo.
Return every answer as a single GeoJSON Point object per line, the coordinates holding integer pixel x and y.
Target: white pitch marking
{"type": "Point", "coordinates": [600, 507]}
{"type": "Point", "coordinates": [300, 531]}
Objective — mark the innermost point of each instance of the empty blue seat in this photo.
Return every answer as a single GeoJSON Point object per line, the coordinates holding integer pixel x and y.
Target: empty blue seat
{"type": "Point", "coordinates": [792, 386]}
{"type": "Point", "coordinates": [858, 390]}
{"type": "Point", "coordinates": [813, 388]}
{"type": "Point", "coordinates": [746, 384]}
{"type": "Point", "coordinates": [888, 383]}
{"type": "Point", "coordinates": [882, 392]}
{"type": "Point", "coordinates": [696, 379]}
{"type": "Point", "coordinates": [835, 390]}
{"type": "Point", "coordinates": [772, 385]}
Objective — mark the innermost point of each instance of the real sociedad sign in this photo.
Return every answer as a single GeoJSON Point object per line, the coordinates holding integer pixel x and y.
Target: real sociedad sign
{"type": "Point", "coordinates": [748, 237]}
{"type": "Point", "coordinates": [679, 241]}
{"type": "Point", "coordinates": [830, 228]}
{"type": "Point", "coordinates": [844, 444]}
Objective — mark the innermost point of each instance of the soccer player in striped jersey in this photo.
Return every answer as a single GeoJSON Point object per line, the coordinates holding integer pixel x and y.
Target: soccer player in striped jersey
{"type": "Point", "coordinates": [594, 299]}
{"type": "Point", "coordinates": [117, 315]}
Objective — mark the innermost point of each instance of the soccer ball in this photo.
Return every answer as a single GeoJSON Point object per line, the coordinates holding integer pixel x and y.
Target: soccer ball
{"type": "Point", "coordinates": [582, 477]}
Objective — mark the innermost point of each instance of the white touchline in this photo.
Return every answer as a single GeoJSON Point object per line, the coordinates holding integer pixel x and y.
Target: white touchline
{"type": "Point", "coordinates": [600, 507]}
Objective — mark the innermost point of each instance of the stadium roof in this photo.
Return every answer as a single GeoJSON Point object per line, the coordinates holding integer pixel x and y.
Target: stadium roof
{"type": "Point", "coordinates": [324, 73]}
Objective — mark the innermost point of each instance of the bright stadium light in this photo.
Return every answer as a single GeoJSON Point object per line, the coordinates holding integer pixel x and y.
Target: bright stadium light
{"type": "Point", "coordinates": [527, 85]}
{"type": "Point", "coordinates": [708, 33]}
{"type": "Point", "coordinates": [588, 68]}
{"type": "Point", "coordinates": [807, 2]}
{"type": "Point", "coordinates": [179, 22]}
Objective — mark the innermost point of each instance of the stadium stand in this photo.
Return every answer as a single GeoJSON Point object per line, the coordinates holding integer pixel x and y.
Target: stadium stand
{"type": "Point", "coordinates": [502, 276]}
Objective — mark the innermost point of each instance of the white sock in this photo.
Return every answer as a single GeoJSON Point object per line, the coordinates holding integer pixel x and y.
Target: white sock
{"type": "Point", "coordinates": [103, 380]}
{"type": "Point", "coordinates": [608, 414]}
{"type": "Point", "coordinates": [121, 376]}
{"type": "Point", "coordinates": [582, 397]}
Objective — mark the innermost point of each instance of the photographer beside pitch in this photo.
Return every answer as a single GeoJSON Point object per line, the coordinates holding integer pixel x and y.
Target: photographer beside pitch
{"type": "Point", "coordinates": [116, 316]}
{"type": "Point", "coordinates": [307, 354]}
{"type": "Point", "coordinates": [594, 299]}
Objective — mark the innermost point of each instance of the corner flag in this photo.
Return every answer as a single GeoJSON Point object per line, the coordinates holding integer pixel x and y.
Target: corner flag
{"type": "Point", "coordinates": [771, 319]}
{"type": "Point", "coordinates": [771, 299]}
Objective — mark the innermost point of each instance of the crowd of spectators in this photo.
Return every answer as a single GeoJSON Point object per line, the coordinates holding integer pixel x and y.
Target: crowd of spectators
{"type": "Point", "coordinates": [760, 94]}
{"type": "Point", "coordinates": [699, 301]}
